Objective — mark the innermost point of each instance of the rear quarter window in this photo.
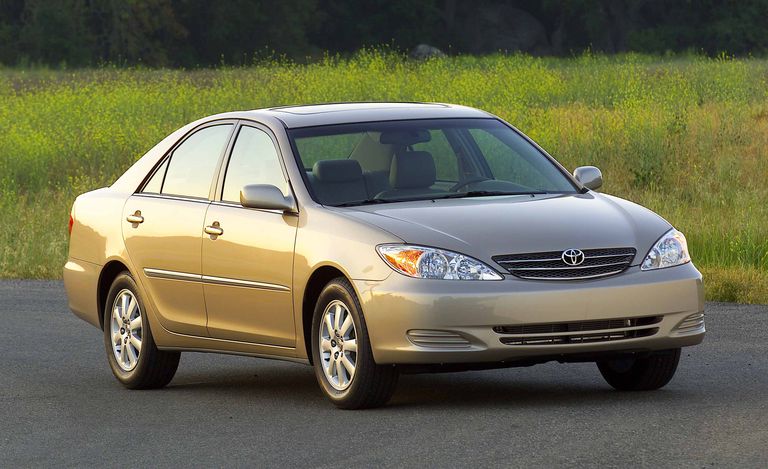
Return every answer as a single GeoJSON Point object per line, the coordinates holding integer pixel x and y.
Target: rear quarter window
{"type": "Point", "coordinates": [155, 183]}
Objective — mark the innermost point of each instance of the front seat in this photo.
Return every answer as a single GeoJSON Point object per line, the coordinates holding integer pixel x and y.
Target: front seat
{"type": "Point", "coordinates": [338, 181]}
{"type": "Point", "coordinates": [412, 174]}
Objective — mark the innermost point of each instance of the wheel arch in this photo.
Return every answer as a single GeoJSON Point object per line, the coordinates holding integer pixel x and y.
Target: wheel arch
{"type": "Point", "coordinates": [317, 281]}
{"type": "Point", "coordinates": [108, 274]}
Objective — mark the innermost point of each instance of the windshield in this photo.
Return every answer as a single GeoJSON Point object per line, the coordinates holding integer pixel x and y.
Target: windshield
{"type": "Point", "coordinates": [385, 162]}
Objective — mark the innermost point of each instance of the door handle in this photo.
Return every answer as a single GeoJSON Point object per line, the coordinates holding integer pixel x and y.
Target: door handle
{"type": "Point", "coordinates": [214, 229]}
{"type": "Point", "coordinates": [135, 218]}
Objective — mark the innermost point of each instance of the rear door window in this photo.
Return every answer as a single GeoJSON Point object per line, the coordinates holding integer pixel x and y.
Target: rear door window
{"type": "Point", "coordinates": [193, 164]}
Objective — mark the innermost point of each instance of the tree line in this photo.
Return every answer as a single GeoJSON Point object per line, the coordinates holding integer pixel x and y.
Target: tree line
{"type": "Point", "coordinates": [197, 33]}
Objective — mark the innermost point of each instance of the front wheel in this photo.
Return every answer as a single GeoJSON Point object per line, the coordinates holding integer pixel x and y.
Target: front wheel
{"type": "Point", "coordinates": [133, 357]}
{"type": "Point", "coordinates": [648, 373]}
{"type": "Point", "coordinates": [341, 352]}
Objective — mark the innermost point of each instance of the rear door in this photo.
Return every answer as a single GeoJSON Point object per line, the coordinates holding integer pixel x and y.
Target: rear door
{"type": "Point", "coordinates": [248, 268]}
{"type": "Point", "coordinates": [164, 227]}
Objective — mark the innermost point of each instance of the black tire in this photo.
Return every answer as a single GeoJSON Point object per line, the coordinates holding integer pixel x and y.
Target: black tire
{"type": "Point", "coordinates": [648, 373]}
{"type": "Point", "coordinates": [154, 368]}
{"type": "Point", "coordinates": [372, 385]}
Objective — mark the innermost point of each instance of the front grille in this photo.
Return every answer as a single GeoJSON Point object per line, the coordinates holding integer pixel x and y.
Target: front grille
{"type": "Point", "coordinates": [550, 266]}
{"type": "Point", "coordinates": [604, 330]}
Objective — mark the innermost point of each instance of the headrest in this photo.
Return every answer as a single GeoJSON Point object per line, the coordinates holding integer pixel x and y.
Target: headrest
{"type": "Point", "coordinates": [337, 170]}
{"type": "Point", "coordinates": [412, 169]}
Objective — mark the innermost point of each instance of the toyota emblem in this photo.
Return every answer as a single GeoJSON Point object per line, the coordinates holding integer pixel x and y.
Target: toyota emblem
{"type": "Point", "coordinates": [572, 257]}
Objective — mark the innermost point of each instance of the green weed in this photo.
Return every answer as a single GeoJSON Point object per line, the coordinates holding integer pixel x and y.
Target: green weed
{"type": "Point", "coordinates": [686, 136]}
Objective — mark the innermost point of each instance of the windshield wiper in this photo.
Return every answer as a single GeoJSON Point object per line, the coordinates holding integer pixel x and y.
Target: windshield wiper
{"type": "Point", "coordinates": [446, 196]}
{"type": "Point", "coordinates": [381, 201]}
{"type": "Point", "coordinates": [364, 202]}
{"type": "Point", "coordinates": [487, 194]}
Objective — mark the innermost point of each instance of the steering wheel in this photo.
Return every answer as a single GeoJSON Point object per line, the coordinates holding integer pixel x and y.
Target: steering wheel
{"type": "Point", "coordinates": [461, 184]}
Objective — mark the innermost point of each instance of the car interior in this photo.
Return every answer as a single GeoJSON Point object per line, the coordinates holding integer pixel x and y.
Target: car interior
{"type": "Point", "coordinates": [382, 165]}
{"type": "Point", "coordinates": [416, 163]}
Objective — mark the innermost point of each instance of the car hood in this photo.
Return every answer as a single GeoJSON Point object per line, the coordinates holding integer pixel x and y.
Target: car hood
{"type": "Point", "coordinates": [489, 226]}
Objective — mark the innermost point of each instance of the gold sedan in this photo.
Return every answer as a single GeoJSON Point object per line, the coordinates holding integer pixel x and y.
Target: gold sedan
{"type": "Point", "coordinates": [369, 239]}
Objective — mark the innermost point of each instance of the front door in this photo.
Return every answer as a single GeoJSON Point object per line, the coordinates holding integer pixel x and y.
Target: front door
{"type": "Point", "coordinates": [248, 267]}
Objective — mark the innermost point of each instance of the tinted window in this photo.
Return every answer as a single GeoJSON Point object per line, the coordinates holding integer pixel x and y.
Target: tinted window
{"type": "Point", "coordinates": [514, 160]}
{"type": "Point", "coordinates": [193, 163]}
{"type": "Point", "coordinates": [446, 163]}
{"type": "Point", "coordinates": [332, 147]}
{"type": "Point", "coordinates": [423, 159]}
{"type": "Point", "coordinates": [254, 160]}
{"type": "Point", "coordinates": [155, 183]}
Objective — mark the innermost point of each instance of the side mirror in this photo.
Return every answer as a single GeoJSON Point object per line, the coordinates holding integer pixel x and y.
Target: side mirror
{"type": "Point", "coordinates": [589, 177]}
{"type": "Point", "coordinates": [267, 197]}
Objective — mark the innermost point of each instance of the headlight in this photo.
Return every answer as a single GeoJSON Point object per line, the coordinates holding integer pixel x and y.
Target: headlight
{"type": "Point", "coordinates": [423, 262]}
{"type": "Point", "coordinates": [670, 250]}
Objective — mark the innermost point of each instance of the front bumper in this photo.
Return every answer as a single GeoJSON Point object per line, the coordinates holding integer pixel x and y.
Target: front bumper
{"type": "Point", "coordinates": [456, 319]}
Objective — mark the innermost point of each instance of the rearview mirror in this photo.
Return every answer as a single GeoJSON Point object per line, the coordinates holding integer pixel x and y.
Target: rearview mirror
{"type": "Point", "coordinates": [589, 177]}
{"type": "Point", "coordinates": [266, 197]}
{"type": "Point", "coordinates": [405, 137]}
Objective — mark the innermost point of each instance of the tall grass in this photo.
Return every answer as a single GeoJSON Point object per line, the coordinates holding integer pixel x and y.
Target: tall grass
{"type": "Point", "coordinates": [686, 137]}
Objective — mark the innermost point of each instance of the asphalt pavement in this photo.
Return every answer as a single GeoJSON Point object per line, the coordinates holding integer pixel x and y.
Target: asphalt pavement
{"type": "Point", "coordinates": [60, 405]}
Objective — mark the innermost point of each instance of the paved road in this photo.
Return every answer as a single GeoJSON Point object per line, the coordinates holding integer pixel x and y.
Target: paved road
{"type": "Point", "coordinates": [60, 405]}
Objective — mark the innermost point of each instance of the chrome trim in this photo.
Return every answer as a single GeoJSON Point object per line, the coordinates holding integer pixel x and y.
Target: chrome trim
{"type": "Point", "coordinates": [694, 317]}
{"type": "Point", "coordinates": [152, 195]}
{"type": "Point", "coordinates": [172, 275]}
{"type": "Point", "coordinates": [578, 267]}
{"type": "Point", "coordinates": [691, 323]}
{"type": "Point", "coordinates": [226, 204]}
{"type": "Point", "coordinates": [437, 339]}
{"type": "Point", "coordinates": [610, 255]}
{"type": "Point", "coordinates": [530, 260]}
{"type": "Point", "coordinates": [243, 283]}
{"type": "Point", "coordinates": [233, 282]}
{"type": "Point", "coordinates": [563, 279]}
{"type": "Point", "coordinates": [559, 259]}
{"type": "Point", "coordinates": [222, 203]}
{"type": "Point", "coordinates": [525, 267]}
{"type": "Point", "coordinates": [213, 230]}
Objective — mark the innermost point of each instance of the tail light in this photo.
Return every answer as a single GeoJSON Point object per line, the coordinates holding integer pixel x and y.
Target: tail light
{"type": "Point", "coordinates": [71, 222]}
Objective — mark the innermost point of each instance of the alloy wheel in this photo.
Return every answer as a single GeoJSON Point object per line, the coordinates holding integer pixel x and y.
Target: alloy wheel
{"type": "Point", "coordinates": [338, 345]}
{"type": "Point", "coordinates": [126, 330]}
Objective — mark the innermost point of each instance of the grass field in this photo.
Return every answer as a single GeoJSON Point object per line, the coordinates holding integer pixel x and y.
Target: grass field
{"type": "Point", "coordinates": [686, 137]}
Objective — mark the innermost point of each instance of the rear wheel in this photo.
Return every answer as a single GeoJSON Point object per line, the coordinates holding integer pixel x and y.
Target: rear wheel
{"type": "Point", "coordinates": [133, 357]}
{"type": "Point", "coordinates": [641, 374]}
{"type": "Point", "coordinates": [341, 352]}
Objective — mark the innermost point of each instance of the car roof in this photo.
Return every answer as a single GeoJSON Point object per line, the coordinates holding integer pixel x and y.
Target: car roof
{"type": "Point", "coordinates": [346, 113]}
